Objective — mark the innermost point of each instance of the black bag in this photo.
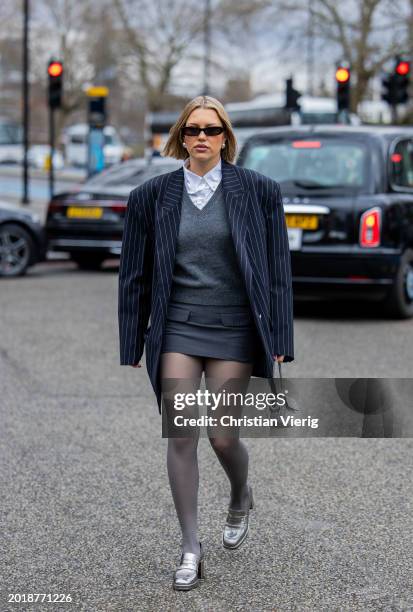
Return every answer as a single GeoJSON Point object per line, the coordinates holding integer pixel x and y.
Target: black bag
{"type": "Point", "coordinates": [276, 410]}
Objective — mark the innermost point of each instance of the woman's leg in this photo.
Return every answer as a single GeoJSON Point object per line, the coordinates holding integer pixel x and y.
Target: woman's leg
{"type": "Point", "coordinates": [231, 451]}
{"type": "Point", "coordinates": [182, 458]}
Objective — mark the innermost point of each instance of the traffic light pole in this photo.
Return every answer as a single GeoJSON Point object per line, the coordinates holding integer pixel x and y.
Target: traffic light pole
{"type": "Point", "coordinates": [344, 116]}
{"type": "Point", "coordinates": [52, 145]}
{"type": "Point", "coordinates": [25, 196]}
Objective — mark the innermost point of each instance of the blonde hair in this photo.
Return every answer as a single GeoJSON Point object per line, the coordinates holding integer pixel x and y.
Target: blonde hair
{"type": "Point", "coordinates": [174, 147]}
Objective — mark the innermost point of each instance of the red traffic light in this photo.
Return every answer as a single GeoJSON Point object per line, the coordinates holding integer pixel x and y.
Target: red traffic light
{"type": "Point", "coordinates": [55, 83]}
{"type": "Point", "coordinates": [342, 75]}
{"type": "Point", "coordinates": [55, 69]}
{"type": "Point", "coordinates": [403, 68]}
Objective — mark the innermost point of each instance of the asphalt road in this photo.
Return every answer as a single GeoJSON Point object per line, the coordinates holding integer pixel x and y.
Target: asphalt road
{"type": "Point", "coordinates": [86, 504]}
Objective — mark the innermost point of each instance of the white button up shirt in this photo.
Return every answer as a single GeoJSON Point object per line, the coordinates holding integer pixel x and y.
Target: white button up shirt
{"type": "Point", "coordinates": [201, 188]}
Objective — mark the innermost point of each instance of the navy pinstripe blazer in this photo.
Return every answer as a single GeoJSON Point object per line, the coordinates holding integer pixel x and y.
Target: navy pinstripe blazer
{"type": "Point", "coordinates": [256, 218]}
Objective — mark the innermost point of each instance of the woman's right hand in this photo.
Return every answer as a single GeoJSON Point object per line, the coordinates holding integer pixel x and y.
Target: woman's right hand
{"type": "Point", "coordinates": [137, 365]}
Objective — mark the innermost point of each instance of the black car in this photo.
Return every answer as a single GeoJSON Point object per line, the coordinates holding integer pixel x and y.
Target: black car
{"type": "Point", "coordinates": [88, 221]}
{"type": "Point", "coordinates": [22, 240]}
{"type": "Point", "coordinates": [348, 201]}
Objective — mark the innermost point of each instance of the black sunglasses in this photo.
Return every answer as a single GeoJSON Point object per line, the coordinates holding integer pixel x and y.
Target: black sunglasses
{"type": "Point", "coordinates": [212, 130]}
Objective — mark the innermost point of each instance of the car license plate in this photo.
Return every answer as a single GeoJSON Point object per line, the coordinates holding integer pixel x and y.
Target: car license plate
{"type": "Point", "coordinates": [84, 212]}
{"type": "Point", "coordinates": [294, 238]}
{"type": "Point", "coordinates": [305, 222]}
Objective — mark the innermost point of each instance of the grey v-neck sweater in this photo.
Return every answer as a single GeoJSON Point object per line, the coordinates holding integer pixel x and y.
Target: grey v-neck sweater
{"type": "Point", "coordinates": [206, 268]}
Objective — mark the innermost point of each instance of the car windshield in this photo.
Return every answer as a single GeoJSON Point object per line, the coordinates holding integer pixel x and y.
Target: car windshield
{"type": "Point", "coordinates": [311, 163]}
{"type": "Point", "coordinates": [129, 174]}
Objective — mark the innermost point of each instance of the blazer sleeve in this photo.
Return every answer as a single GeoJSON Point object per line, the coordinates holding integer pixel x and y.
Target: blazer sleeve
{"type": "Point", "coordinates": [134, 286]}
{"type": "Point", "coordinates": [279, 265]}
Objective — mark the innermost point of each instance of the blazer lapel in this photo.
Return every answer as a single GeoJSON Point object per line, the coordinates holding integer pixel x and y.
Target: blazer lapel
{"type": "Point", "coordinates": [168, 214]}
{"type": "Point", "coordinates": [236, 200]}
{"type": "Point", "coordinates": [236, 203]}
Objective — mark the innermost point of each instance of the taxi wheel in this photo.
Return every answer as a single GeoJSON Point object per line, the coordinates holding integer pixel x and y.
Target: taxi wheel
{"type": "Point", "coordinates": [399, 302]}
{"type": "Point", "coordinates": [88, 261]}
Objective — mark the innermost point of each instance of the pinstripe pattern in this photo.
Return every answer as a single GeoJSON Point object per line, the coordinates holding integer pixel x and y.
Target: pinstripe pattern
{"type": "Point", "coordinates": [256, 218]}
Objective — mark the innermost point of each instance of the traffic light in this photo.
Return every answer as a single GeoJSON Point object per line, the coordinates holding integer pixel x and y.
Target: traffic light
{"type": "Point", "coordinates": [388, 94]}
{"type": "Point", "coordinates": [97, 116]}
{"type": "Point", "coordinates": [396, 84]}
{"type": "Point", "coordinates": [97, 111]}
{"type": "Point", "coordinates": [402, 80]}
{"type": "Point", "coordinates": [55, 73]}
{"type": "Point", "coordinates": [343, 87]}
{"type": "Point", "coordinates": [291, 96]}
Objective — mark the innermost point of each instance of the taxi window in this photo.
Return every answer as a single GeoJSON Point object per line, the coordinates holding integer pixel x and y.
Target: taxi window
{"type": "Point", "coordinates": [310, 163]}
{"type": "Point", "coordinates": [402, 164]}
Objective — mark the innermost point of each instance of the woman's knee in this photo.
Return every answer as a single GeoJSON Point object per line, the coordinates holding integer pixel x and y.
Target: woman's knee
{"type": "Point", "coordinates": [183, 445]}
{"type": "Point", "coordinates": [222, 444]}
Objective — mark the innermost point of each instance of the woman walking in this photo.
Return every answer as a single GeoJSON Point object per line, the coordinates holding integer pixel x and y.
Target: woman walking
{"type": "Point", "coordinates": [205, 255]}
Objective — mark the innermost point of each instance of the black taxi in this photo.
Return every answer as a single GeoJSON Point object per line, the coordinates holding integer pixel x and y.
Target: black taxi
{"type": "Point", "coordinates": [348, 203]}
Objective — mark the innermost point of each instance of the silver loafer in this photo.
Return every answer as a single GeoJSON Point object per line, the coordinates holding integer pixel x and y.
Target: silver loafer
{"type": "Point", "coordinates": [236, 526]}
{"type": "Point", "coordinates": [190, 571]}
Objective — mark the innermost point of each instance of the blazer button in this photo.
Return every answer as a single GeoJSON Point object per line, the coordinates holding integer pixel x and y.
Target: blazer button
{"type": "Point", "coordinates": [259, 315]}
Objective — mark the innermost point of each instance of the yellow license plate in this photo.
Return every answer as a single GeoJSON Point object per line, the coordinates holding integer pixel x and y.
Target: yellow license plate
{"type": "Point", "coordinates": [84, 212]}
{"type": "Point", "coordinates": [305, 222]}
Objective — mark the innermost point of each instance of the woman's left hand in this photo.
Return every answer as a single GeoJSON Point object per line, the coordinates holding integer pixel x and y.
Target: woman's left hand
{"type": "Point", "coordinates": [278, 358]}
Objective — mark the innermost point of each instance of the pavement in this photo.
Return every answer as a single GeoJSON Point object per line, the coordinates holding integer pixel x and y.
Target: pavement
{"type": "Point", "coordinates": [65, 174]}
{"type": "Point", "coordinates": [11, 188]}
{"type": "Point", "coordinates": [86, 503]}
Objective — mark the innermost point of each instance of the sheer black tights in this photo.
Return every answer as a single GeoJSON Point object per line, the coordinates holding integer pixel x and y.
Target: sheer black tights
{"type": "Point", "coordinates": [182, 456]}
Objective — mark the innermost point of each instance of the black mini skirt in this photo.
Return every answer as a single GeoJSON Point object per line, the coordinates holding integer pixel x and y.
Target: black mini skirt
{"type": "Point", "coordinates": [223, 332]}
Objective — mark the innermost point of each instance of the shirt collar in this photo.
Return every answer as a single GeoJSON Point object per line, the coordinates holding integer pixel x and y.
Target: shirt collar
{"type": "Point", "coordinates": [212, 177]}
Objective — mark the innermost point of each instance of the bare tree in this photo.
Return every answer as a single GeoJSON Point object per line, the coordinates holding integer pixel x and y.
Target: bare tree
{"type": "Point", "coordinates": [161, 35]}
{"type": "Point", "coordinates": [363, 32]}
{"type": "Point", "coordinates": [10, 18]}
{"type": "Point", "coordinates": [402, 13]}
{"type": "Point", "coordinates": [60, 29]}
